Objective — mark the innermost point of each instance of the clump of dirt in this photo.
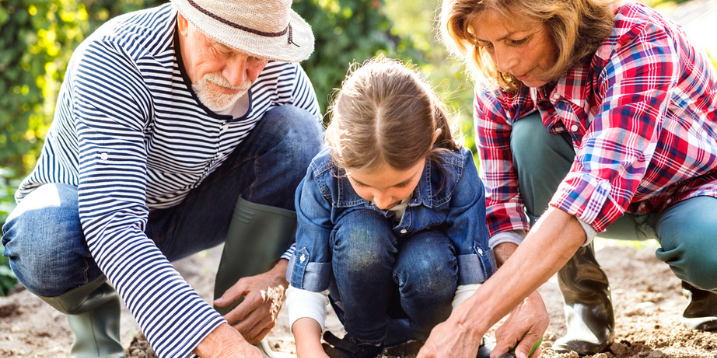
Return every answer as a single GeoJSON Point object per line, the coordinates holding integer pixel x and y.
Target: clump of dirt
{"type": "Point", "coordinates": [140, 348]}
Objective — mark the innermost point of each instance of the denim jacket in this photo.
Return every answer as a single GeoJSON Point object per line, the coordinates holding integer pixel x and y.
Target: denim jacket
{"type": "Point", "coordinates": [450, 200]}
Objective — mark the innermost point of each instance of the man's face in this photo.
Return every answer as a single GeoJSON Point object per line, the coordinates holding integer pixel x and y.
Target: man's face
{"type": "Point", "coordinates": [220, 75]}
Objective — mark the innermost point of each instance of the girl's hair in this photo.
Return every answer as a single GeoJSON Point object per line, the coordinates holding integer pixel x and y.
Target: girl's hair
{"type": "Point", "coordinates": [386, 114]}
{"type": "Point", "coordinates": [577, 28]}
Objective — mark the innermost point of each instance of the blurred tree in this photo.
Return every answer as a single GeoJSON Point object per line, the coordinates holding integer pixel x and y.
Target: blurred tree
{"type": "Point", "coordinates": [37, 38]}
{"type": "Point", "coordinates": [416, 20]}
{"type": "Point", "coordinates": [347, 31]}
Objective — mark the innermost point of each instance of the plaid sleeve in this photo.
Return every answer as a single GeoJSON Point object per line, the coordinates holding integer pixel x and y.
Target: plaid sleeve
{"type": "Point", "coordinates": [612, 159]}
{"type": "Point", "coordinates": [494, 114]}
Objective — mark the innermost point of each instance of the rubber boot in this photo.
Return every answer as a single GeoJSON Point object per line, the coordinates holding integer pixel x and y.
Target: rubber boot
{"type": "Point", "coordinates": [588, 308]}
{"type": "Point", "coordinates": [93, 312]}
{"type": "Point", "coordinates": [701, 312]}
{"type": "Point", "coordinates": [258, 235]}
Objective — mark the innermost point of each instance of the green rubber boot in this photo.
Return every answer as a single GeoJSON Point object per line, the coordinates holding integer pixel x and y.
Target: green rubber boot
{"type": "Point", "coordinates": [93, 312]}
{"type": "Point", "coordinates": [588, 306]}
{"type": "Point", "coordinates": [258, 235]}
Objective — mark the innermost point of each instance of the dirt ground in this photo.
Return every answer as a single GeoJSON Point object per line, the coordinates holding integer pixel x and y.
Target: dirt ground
{"type": "Point", "coordinates": [647, 298]}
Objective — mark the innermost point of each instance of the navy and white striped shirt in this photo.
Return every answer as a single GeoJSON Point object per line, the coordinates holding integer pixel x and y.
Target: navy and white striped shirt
{"type": "Point", "coordinates": [132, 136]}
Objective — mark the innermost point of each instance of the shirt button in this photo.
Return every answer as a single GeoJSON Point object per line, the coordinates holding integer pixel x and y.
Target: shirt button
{"type": "Point", "coordinates": [302, 258]}
{"type": "Point", "coordinates": [556, 96]}
{"type": "Point", "coordinates": [224, 127]}
{"type": "Point", "coordinates": [403, 231]}
{"type": "Point", "coordinates": [574, 128]}
{"type": "Point", "coordinates": [480, 251]}
{"type": "Point", "coordinates": [104, 156]}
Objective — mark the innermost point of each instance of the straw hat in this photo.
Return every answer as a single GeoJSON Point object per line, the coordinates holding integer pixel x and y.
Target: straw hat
{"type": "Point", "coordinates": [264, 28]}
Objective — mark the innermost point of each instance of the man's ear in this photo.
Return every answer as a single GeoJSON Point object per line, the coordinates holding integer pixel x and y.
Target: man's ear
{"type": "Point", "coordinates": [182, 24]}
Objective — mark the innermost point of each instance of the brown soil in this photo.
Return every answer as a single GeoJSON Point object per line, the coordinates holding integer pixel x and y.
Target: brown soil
{"type": "Point", "coordinates": [647, 298]}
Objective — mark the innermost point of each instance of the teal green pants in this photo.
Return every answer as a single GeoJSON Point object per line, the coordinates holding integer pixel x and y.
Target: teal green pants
{"type": "Point", "coordinates": [687, 231]}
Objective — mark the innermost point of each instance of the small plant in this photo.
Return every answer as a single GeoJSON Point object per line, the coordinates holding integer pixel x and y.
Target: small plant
{"type": "Point", "coordinates": [7, 203]}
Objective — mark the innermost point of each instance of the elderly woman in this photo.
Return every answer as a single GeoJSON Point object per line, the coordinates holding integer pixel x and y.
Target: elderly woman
{"type": "Point", "coordinates": [597, 118]}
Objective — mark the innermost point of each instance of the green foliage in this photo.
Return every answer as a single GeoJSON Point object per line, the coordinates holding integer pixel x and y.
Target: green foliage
{"type": "Point", "coordinates": [415, 20]}
{"type": "Point", "coordinates": [346, 31]}
{"type": "Point", "coordinates": [7, 203]}
{"type": "Point", "coordinates": [37, 39]}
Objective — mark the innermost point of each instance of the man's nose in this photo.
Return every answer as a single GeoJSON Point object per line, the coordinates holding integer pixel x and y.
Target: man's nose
{"type": "Point", "coordinates": [235, 72]}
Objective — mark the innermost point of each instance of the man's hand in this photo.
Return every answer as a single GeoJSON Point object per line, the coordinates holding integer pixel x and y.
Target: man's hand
{"type": "Point", "coordinates": [225, 341]}
{"type": "Point", "coordinates": [263, 296]}
{"type": "Point", "coordinates": [523, 329]}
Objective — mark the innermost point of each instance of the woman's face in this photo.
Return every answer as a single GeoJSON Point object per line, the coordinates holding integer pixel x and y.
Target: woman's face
{"type": "Point", "coordinates": [523, 49]}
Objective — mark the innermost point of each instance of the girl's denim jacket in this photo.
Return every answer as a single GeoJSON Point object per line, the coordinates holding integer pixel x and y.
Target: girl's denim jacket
{"type": "Point", "coordinates": [450, 200]}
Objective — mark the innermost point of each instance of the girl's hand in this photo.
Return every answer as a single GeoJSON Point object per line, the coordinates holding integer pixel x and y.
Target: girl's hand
{"type": "Point", "coordinates": [307, 333]}
{"type": "Point", "coordinates": [311, 353]}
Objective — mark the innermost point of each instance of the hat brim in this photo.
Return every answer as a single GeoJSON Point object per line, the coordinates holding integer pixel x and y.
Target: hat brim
{"type": "Point", "coordinates": [296, 45]}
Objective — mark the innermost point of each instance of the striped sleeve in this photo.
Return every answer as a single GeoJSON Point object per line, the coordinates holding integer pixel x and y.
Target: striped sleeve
{"type": "Point", "coordinates": [110, 106]}
{"type": "Point", "coordinates": [304, 97]}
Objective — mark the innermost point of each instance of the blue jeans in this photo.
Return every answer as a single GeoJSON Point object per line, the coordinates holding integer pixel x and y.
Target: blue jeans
{"type": "Point", "coordinates": [376, 277]}
{"type": "Point", "coordinates": [686, 231]}
{"type": "Point", "coordinates": [47, 250]}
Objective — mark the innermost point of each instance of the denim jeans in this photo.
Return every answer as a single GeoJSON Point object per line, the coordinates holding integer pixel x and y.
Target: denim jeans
{"type": "Point", "coordinates": [47, 250]}
{"type": "Point", "coordinates": [686, 231]}
{"type": "Point", "coordinates": [376, 277]}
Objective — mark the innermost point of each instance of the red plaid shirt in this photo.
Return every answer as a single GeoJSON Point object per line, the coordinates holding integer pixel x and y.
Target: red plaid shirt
{"type": "Point", "coordinates": [643, 120]}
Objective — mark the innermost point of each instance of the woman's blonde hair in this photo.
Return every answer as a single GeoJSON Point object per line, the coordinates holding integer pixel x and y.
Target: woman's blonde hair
{"type": "Point", "coordinates": [386, 114]}
{"type": "Point", "coordinates": [577, 28]}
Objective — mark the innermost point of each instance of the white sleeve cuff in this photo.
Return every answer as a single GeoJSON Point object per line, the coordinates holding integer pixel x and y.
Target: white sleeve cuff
{"type": "Point", "coordinates": [515, 236]}
{"type": "Point", "coordinates": [302, 303]}
{"type": "Point", "coordinates": [590, 233]}
{"type": "Point", "coordinates": [462, 293]}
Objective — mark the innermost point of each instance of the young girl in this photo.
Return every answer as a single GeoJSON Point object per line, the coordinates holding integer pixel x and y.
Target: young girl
{"type": "Point", "coordinates": [391, 217]}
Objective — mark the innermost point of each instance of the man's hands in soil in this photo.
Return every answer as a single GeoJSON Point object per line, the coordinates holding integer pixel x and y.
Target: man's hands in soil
{"type": "Point", "coordinates": [263, 296]}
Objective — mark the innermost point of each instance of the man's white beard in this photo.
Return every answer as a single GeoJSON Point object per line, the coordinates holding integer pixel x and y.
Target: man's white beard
{"type": "Point", "coordinates": [215, 100]}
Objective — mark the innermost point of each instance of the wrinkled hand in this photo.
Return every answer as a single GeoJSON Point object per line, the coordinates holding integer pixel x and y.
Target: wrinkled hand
{"type": "Point", "coordinates": [524, 328]}
{"type": "Point", "coordinates": [225, 341]}
{"type": "Point", "coordinates": [263, 296]}
{"type": "Point", "coordinates": [451, 340]}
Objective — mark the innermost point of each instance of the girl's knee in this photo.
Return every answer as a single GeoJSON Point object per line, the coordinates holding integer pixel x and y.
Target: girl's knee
{"type": "Point", "coordinates": [427, 266]}
{"type": "Point", "coordinates": [362, 239]}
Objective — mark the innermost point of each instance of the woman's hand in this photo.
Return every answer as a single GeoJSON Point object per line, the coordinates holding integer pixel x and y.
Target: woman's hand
{"type": "Point", "coordinates": [523, 329]}
{"type": "Point", "coordinates": [549, 245]}
{"type": "Point", "coordinates": [452, 339]}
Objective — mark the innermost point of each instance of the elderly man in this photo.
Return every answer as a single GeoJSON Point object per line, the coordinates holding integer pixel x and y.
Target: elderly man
{"type": "Point", "coordinates": [176, 128]}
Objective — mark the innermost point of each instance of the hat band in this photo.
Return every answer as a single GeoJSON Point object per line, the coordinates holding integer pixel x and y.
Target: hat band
{"type": "Point", "coordinates": [244, 28]}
